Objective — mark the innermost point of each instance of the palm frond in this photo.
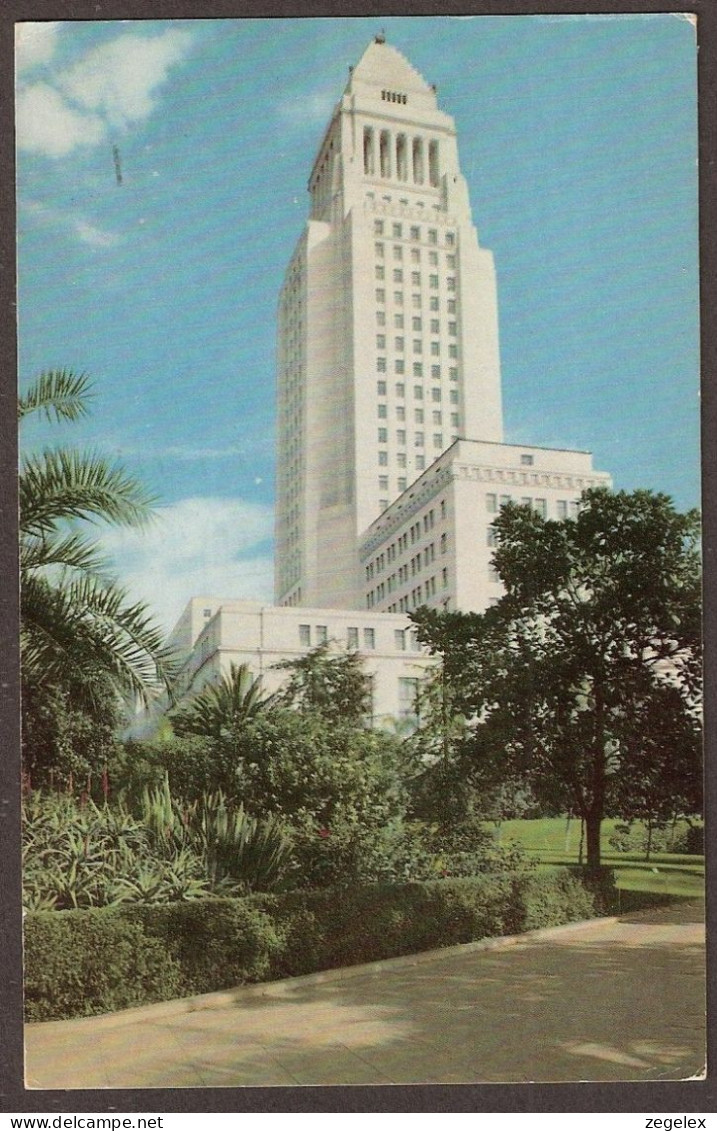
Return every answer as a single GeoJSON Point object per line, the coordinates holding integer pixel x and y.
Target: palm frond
{"type": "Point", "coordinates": [58, 394]}
{"type": "Point", "coordinates": [63, 484]}
{"type": "Point", "coordinates": [72, 552]}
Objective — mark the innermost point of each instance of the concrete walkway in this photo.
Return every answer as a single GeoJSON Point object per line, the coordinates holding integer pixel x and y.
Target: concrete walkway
{"type": "Point", "coordinates": [614, 999]}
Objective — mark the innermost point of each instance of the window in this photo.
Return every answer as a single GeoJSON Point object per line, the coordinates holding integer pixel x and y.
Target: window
{"type": "Point", "coordinates": [416, 302]}
{"type": "Point", "coordinates": [490, 537]}
{"type": "Point", "coordinates": [398, 321]}
{"type": "Point", "coordinates": [400, 390]}
{"type": "Point", "coordinates": [436, 372]}
{"type": "Point", "coordinates": [352, 637]}
{"type": "Point", "coordinates": [380, 295]}
{"type": "Point", "coordinates": [415, 255]}
{"type": "Point", "coordinates": [444, 543]}
{"type": "Point", "coordinates": [369, 638]}
{"type": "Point", "coordinates": [383, 459]}
{"type": "Point", "coordinates": [417, 345]}
{"type": "Point", "coordinates": [418, 392]}
{"type": "Point", "coordinates": [443, 508]}
{"type": "Point", "coordinates": [401, 436]}
{"type": "Point", "coordinates": [402, 483]}
{"type": "Point", "coordinates": [417, 369]}
{"type": "Point", "coordinates": [401, 459]}
{"type": "Point", "coordinates": [398, 343]}
{"type": "Point", "coordinates": [452, 329]}
{"type": "Point", "coordinates": [435, 394]}
{"type": "Point", "coordinates": [455, 420]}
{"type": "Point", "coordinates": [432, 235]}
{"type": "Point", "coordinates": [450, 239]}
{"type": "Point", "coordinates": [416, 278]}
{"type": "Point", "coordinates": [420, 463]}
{"type": "Point", "coordinates": [399, 639]}
{"type": "Point", "coordinates": [505, 499]}
{"type": "Point", "coordinates": [383, 503]}
{"type": "Point", "coordinates": [382, 411]}
{"type": "Point", "coordinates": [398, 298]}
{"type": "Point", "coordinates": [454, 396]}
{"type": "Point", "coordinates": [305, 635]}
{"type": "Point", "coordinates": [437, 440]}
{"type": "Point", "coordinates": [415, 233]}
{"type": "Point", "coordinates": [436, 415]}
{"type": "Point", "coordinates": [381, 388]}
{"type": "Point", "coordinates": [574, 509]}
{"type": "Point", "coordinates": [378, 227]}
{"type": "Point", "coordinates": [432, 281]}
{"type": "Point", "coordinates": [381, 364]}
{"type": "Point", "coordinates": [398, 252]}
{"type": "Point", "coordinates": [398, 275]}
{"type": "Point", "coordinates": [450, 283]}
{"type": "Point", "coordinates": [322, 634]}
{"type": "Point", "coordinates": [378, 248]}
{"type": "Point", "coordinates": [419, 439]}
{"type": "Point", "coordinates": [451, 306]}
{"type": "Point", "coordinates": [526, 460]}
{"type": "Point", "coordinates": [433, 302]}
{"type": "Point", "coordinates": [399, 366]}
{"type": "Point", "coordinates": [418, 415]}
{"type": "Point", "coordinates": [383, 435]}
{"type": "Point", "coordinates": [379, 271]}
{"type": "Point", "coordinates": [435, 326]}
{"type": "Point", "coordinates": [380, 317]}
{"type": "Point", "coordinates": [435, 349]}
{"type": "Point", "coordinates": [526, 502]}
{"type": "Point", "coordinates": [541, 506]}
{"type": "Point", "coordinates": [453, 374]}
{"type": "Point", "coordinates": [562, 510]}
{"type": "Point", "coordinates": [453, 351]}
{"type": "Point", "coordinates": [444, 578]}
{"type": "Point", "coordinates": [408, 701]}
{"type": "Point", "coordinates": [450, 261]}
{"type": "Point", "coordinates": [400, 412]}
{"type": "Point", "coordinates": [380, 341]}
{"type": "Point", "coordinates": [397, 231]}
{"type": "Point", "coordinates": [383, 483]}
{"type": "Point", "coordinates": [416, 325]}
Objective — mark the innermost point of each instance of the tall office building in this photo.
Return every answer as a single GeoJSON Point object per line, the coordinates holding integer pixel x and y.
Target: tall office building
{"type": "Point", "coordinates": [388, 328]}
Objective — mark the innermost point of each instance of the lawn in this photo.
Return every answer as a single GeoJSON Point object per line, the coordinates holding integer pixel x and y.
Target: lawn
{"type": "Point", "coordinates": [554, 840]}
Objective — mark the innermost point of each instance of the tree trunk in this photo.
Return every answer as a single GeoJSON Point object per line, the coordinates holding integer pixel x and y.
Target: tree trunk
{"type": "Point", "coordinates": [582, 840]}
{"type": "Point", "coordinates": [567, 835]}
{"type": "Point", "coordinates": [592, 824]}
{"type": "Point", "coordinates": [648, 847]}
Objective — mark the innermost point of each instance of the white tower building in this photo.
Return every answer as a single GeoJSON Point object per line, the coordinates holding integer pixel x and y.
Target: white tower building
{"type": "Point", "coordinates": [388, 328]}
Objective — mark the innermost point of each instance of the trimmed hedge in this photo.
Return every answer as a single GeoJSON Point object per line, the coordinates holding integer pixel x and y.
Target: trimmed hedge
{"type": "Point", "coordinates": [79, 963]}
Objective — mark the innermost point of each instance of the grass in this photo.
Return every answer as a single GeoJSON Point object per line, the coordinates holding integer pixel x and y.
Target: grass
{"type": "Point", "coordinates": [554, 840]}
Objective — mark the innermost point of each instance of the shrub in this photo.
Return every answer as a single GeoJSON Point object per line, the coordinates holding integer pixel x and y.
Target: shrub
{"type": "Point", "coordinates": [79, 963]}
{"type": "Point", "coordinates": [216, 944]}
{"type": "Point", "coordinates": [116, 958]}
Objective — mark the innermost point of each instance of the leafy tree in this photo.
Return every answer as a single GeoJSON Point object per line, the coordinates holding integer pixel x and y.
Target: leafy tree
{"type": "Point", "coordinates": [78, 629]}
{"type": "Point", "coordinates": [570, 679]}
{"type": "Point", "coordinates": [332, 685]}
{"type": "Point", "coordinates": [223, 708]}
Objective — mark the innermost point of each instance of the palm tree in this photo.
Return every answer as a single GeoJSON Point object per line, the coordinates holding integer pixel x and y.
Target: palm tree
{"type": "Point", "coordinates": [223, 707]}
{"type": "Point", "coordinates": [79, 630]}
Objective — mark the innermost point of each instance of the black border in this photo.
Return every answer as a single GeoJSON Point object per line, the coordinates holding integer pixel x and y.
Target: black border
{"type": "Point", "coordinates": [658, 1097]}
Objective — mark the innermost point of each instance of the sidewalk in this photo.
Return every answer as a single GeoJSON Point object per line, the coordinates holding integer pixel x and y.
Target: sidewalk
{"type": "Point", "coordinates": [613, 999]}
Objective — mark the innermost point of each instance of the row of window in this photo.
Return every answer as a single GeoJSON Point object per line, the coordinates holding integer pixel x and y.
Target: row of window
{"type": "Point", "coordinates": [417, 367]}
{"type": "Point", "coordinates": [399, 343]}
{"type": "Point", "coordinates": [380, 228]}
{"type": "Point", "coordinates": [397, 276]}
{"type": "Point", "coordinates": [564, 508]}
{"type": "Point", "coordinates": [414, 254]}
{"type": "Point", "coordinates": [399, 155]}
{"type": "Point", "coordinates": [418, 596]}
{"type": "Point", "coordinates": [416, 300]}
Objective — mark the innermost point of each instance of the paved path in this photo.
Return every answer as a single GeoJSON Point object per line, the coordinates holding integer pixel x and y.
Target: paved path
{"type": "Point", "coordinates": [610, 1000]}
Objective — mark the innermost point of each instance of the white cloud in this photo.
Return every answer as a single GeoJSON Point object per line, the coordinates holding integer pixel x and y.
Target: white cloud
{"type": "Point", "coordinates": [46, 124]}
{"type": "Point", "coordinates": [34, 44]}
{"type": "Point", "coordinates": [95, 237]}
{"type": "Point", "coordinates": [110, 87]}
{"type": "Point", "coordinates": [196, 546]}
{"type": "Point", "coordinates": [77, 226]}
{"type": "Point", "coordinates": [119, 79]}
{"type": "Point", "coordinates": [308, 111]}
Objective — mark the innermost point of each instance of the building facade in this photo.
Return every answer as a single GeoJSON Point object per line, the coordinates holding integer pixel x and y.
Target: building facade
{"type": "Point", "coordinates": [387, 327]}
{"type": "Point", "coordinates": [433, 545]}
{"type": "Point", "coordinates": [262, 636]}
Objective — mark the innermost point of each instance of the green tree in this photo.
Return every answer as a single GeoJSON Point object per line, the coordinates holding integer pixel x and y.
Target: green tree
{"type": "Point", "coordinates": [333, 685]}
{"type": "Point", "coordinates": [80, 634]}
{"type": "Point", "coordinates": [567, 678]}
{"type": "Point", "coordinates": [222, 709]}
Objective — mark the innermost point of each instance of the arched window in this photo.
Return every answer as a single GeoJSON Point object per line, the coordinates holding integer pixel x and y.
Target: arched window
{"type": "Point", "coordinates": [385, 152]}
{"type": "Point", "coordinates": [418, 160]}
{"type": "Point", "coordinates": [368, 155]}
{"type": "Point", "coordinates": [401, 158]}
{"type": "Point", "coordinates": [433, 162]}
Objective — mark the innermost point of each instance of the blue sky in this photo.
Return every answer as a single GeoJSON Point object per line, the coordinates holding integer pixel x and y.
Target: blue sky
{"type": "Point", "coordinates": [578, 139]}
